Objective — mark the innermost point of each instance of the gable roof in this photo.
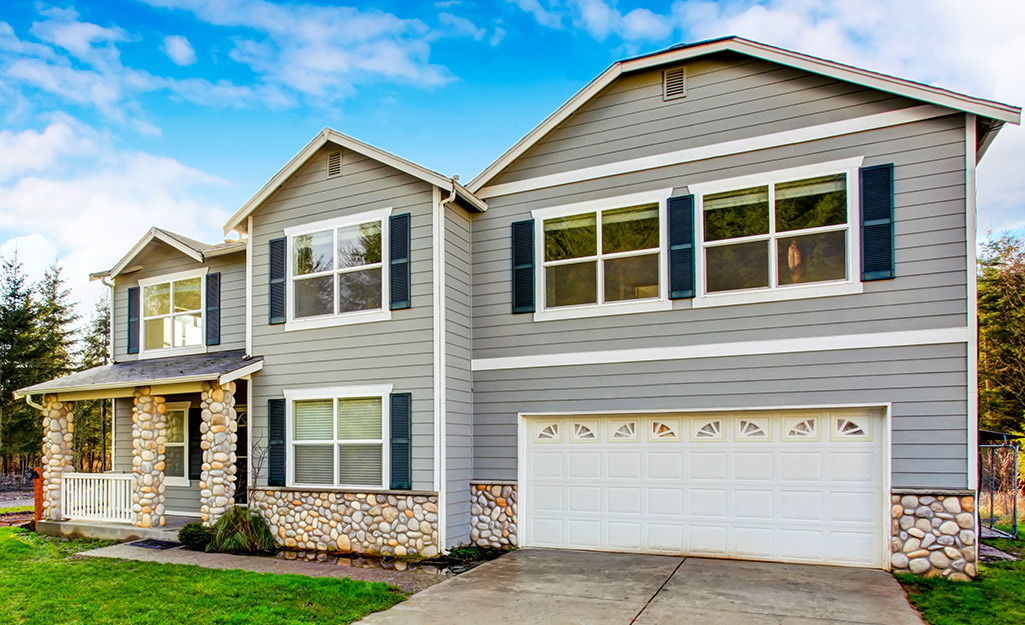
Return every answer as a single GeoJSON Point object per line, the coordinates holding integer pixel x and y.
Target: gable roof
{"type": "Point", "coordinates": [997, 111]}
{"type": "Point", "coordinates": [192, 248]}
{"type": "Point", "coordinates": [333, 136]}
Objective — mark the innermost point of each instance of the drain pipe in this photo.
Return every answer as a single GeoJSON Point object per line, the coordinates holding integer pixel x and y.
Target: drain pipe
{"type": "Point", "coordinates": [110, 339]}
{"type": "Point", "coordinates": [28, 400]}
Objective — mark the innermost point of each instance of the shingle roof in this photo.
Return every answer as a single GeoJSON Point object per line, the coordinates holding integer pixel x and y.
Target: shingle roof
{"type": "Point", "coordinates": [169, 370]}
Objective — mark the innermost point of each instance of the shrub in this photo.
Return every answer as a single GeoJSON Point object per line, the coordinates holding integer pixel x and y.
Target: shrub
{"type": "Point", "coordinates": [194, 536]}
{"type": "Point", "coordinates": [241, 531]}
{"type": "Point", "coordinates": [474, 553]}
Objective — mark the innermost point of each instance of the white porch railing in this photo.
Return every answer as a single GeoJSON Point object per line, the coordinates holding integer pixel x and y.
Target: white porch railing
{"type": "Point", "coordinates": [97, 497]}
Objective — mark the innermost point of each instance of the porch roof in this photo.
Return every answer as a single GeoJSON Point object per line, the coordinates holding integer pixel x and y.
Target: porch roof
{"type": "Point", "coordinates": [221, 366]}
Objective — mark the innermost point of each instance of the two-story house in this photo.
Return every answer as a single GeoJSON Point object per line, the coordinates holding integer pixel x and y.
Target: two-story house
{"type": "Point", "coordinates": [722, 302]}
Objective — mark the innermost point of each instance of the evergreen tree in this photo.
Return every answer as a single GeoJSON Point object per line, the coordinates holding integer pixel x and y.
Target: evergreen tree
{"type": "Point", "coordinates": [1001, 306]}
{"type": "Point", "coordinates": [57, 321]}
{"type": "Point", "coordinates": [93, 432]}
{"type": "Point", "coordinates": [20, 354]}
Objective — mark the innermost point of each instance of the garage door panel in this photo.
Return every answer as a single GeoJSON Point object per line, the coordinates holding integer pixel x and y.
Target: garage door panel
{"type": "Point", "coordinates": [775, 487]}
{"type": "Point", "coordinates": [754, 466]}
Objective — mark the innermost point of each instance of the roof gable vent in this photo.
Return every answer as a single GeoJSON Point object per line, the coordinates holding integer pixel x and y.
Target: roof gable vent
{"type": "Point", "coordinates": [673, 84]}
{"type": "Point", "coordinates": [334, 164]}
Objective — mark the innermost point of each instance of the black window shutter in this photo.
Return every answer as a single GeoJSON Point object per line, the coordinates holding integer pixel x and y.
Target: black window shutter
{"type": "Point", "coordinates": [195, 444]}
{"type": "Point", "coordinates": [401, 448]}
{"type": "Point", "coordinates": [278, 250]}
{"type": "Point", "coordinates": [276, 442]}
{"type": "Point", "coordinates": [133, 320]}
{"type": "Point", "coordinates": [523, 266]}
{"type": "Point", "coordinates": [213, 309]}
{"type": "Point", "coordinates": [877, 222]}
{"type": "Point", "coordinates": [681, 247]}
{"type": "Point", "coordinates": [399, 270]}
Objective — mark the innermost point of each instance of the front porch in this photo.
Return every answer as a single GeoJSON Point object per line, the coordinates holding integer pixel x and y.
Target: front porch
{"type": "Point", "coordinates": [183, 446]}
{"type": "Point", "coordinates": [106, 530]}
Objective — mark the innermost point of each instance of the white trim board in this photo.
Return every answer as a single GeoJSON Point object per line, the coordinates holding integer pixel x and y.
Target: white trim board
{"type": "Point", "coordinates": [727, 148]}
{"type": "Point", "coordinates": [874, 80]}
{"type": "Point", "coordinates": [939, 336]}
{"type": "Point", "coordinates": [972, 297]}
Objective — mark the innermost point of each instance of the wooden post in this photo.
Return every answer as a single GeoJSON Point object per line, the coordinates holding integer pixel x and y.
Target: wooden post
{"type": "Point", "coordinates": [39, 493]}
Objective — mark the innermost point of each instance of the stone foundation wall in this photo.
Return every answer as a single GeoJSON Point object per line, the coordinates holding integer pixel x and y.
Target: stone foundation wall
{"type": "Point", "coordinates": [934, 534]}
{"type": "Point", "coordinates": [493, 514]}
{"type": "Point", "coordinates": [58, 436]}
{"type": "Point", "coordinates": [399, 523]}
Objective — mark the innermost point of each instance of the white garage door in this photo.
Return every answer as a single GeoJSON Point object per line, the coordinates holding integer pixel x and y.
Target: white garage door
{"type": "Point", "coordinates": [791, 487]}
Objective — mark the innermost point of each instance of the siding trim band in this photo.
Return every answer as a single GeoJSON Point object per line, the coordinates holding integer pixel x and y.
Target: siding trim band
{"type": "Point", "coordinates": [939, 336]}
{"type": "Point", "coordinates": [727, 148]}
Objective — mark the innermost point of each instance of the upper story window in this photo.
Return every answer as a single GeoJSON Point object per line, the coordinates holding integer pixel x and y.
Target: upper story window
{"type": "Point", "coordinates": [337, 270]}
{"type": "Point", "coordinates": [602, 257]}
{"type": "Point", "coordinates": [777, 236]}
{"type": "Point", "coordinates": [337, 437]}
{"type": "Point", "coordinates": [173, 312]}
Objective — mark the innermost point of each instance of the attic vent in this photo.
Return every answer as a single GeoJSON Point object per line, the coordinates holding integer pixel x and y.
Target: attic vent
{"type": "Point", "coordinates": [673, 84]}
{"type": "Point", "coordinates": [334, 164]}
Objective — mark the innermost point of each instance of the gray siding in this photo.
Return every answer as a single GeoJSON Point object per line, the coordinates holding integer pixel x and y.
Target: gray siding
{"type": "Point", "coordinates": [159, 259]}
{"type": "Point", "coordinates": [458, 377]}
{"type": "Point", "coordinates": [730, 99]}
{"type": "Point", "coordinates": [399, 351]}
{"type": "Point", "coordinates": [176, 498]}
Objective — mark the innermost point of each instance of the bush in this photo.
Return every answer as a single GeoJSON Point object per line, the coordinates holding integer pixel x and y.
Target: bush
{"type": "Point", "coordinates": [194, 536]}
{"type": "Point", "coordinates": [241, 531]}
{"type": "Point", "coordinates": [474, 553]}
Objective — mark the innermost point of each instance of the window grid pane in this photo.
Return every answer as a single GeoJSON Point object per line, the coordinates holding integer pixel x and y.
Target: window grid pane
{"type": "Point", "coordinates": [360, 418]}
{"type": "Point", "coordinates": [360, 465]}
{"type": "Point", "coordinates": [629, 229]}
{"type": "Point", "coordinates": [187, 295]}
{"type": "Point", "coordinates": [175, 432]}
{"type": "Point", "coordinates": [174, 461]}
{"type": "Point", "coordinates": [314, 464]}
{"type": "Point", "coordinates": [314, 420]}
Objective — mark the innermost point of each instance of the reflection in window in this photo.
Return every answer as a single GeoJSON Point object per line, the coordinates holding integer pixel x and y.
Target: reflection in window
{"type": "Point", "coordinates": [800, 226]}
{"type": "Point", "coordinates": [620, 245]}
{"type": "Point", "coordinates": [172, 314]}
{"type": "Point", "coordinates": [337, 271]}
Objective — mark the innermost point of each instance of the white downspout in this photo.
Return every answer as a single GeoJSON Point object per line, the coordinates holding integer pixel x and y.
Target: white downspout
{"type": "Point", "coordinates": [110, 343]}
{"type": "Point", "coordinates": [442, 389]}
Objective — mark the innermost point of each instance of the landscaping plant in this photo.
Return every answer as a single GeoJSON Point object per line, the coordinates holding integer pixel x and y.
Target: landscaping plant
{"type": "Point", "coordinates": [194, 536]}
{"type": "Point", "coordinates": [241, 531]}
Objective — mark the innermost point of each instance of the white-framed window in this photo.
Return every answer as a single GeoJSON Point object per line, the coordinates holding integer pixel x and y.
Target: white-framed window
{"type": "Point", "coordinates": [337, 437]}
{"type": "Point", "coordinates": [602, 257]}
{"type": "Point", "coordinates": [173, 314]}
{"type": "Point", "coordinates": [176, 449]}
{"type": "Point", "coordinates": [788, 234]}
{"type": "Point", "coordinates": [338, 271]}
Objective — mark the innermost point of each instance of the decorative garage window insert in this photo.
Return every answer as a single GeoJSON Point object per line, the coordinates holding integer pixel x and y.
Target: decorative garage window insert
{"type": "Point", "coordinates": [754, 428]}
{"type": "Point", "coordinates": [337, 269]}
{"type": "Point", "coordinates": [172, 311]}
{"type": "Point", "coordinates": [851, 428]}
{"type": "Point", "coordinates": [707, 430]}
{"type": "Point", "coordinates": [339, 441]}
{"type": "Point", "coordinates": [585, 431]}
{"type": "Point", "coordinates": [623, 430]}
{"type": "Point", "coordinates": [800, 428]}
{"type": "Point", "coordinates": [664, 430]}
{"type": "Point", "coordinates": [548, 432]}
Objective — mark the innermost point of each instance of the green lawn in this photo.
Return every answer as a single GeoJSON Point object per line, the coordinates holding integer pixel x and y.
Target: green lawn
{"type": "Point", "coordinates": [17, 509]}
{"type": "Point", "coordinates": [995, 598]}
{"type": "Point", "coordinates": [40, 585]}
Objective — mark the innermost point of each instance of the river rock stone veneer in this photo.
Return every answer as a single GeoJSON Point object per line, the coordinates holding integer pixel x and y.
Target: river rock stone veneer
{"type": "Point", "coordinates": [493, 514]}
{"type": "Point", "coordinates": [219, 430]}
{"type": "Point", "coordinates": [400, 524]}
{"type": "Point", "coordinates": [149, 440]}
{"type": "Point", "coordinates": [58, 435]}
{"type": "Point", "coordinates": [934, 534]}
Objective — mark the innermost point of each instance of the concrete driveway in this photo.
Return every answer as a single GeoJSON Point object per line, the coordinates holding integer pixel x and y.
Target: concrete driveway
{"type": "Point", "coordinates": [584, 588]}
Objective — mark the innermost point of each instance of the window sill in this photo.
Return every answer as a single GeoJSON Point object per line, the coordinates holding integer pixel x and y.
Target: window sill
{"type": "Point", "coordinates": [177, 481]}
{"type": "Point", "coordinates": [369, 316]}
{"type": "Point", "coordinates": [345, 490]}
{"type": "Point", "coordinates": [602, 310]}
{"type": "Point", "coordinates": [779, 294]}
{"type": "Point", "coordinates": [173, 351]}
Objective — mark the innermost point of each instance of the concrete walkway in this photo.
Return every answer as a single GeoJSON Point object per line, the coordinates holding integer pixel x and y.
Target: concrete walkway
{"type": "Point", "coordinates": [407, 581]}
{"type": "Point", "coordinates": [535, 586]}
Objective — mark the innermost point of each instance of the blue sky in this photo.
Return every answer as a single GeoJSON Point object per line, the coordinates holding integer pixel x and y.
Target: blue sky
{"type": "Point", "coordinates": [121, 114]}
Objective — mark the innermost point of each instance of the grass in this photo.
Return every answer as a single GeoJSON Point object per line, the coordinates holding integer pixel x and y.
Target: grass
{"type": "Point", "coordinates": [39, 585]}
{"type": "Point", "coordinates": [994, 598]}
{"type": "Point", "coordinates": [17, 509]}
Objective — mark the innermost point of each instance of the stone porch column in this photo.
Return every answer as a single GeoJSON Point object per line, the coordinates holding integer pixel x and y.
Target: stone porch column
{"type": "Point", "coordinates": [58, 456]}
{"type": "Point", "coordinates": [219, 430]}
{"type": "Point", "coordinates": [149, 436]}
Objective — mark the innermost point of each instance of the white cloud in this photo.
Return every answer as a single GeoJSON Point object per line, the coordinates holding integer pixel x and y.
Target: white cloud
{"type": "Point", "coordinates": [601, 19]}
{"type": "Point", "coordinates": [497, 36]}
{"type": "Point", "coordinates": [461, 26]}
{"type": "Point", "coordinates": [35, 252]}
{"type": "Point", "coordinates": [321, 51]}
{"type": "Point", "coordinates": [33, 152]}
{"type": "Point", "coordinates": [179, 50]}
{"type": "Point", "coordinates": [91, 211]}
